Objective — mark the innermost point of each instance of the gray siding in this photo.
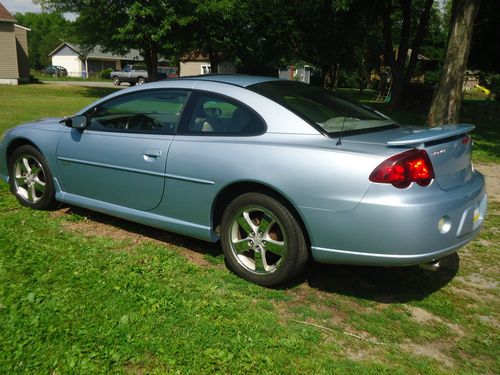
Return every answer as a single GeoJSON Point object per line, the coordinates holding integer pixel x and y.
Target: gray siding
{"type": "Point", "coordinates": [66, 51]}
{"type": "Point", "coordinates": [8, 52]}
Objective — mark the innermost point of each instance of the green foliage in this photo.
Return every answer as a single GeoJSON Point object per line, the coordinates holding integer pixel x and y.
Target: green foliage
{"type": "Point", "coordinates": [48, 30]}
{"type": "Point", "coordinates": [105, 73]}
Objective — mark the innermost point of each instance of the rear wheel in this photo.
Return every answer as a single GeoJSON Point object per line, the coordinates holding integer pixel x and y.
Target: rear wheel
{"type": "Point", "coordinates": [31, 179]}
{"type": "Point", "coordinates": [262, 241]}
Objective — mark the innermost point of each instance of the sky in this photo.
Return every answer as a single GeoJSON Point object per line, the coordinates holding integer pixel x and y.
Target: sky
{"type": "Point", "coordinates": [22, 6]}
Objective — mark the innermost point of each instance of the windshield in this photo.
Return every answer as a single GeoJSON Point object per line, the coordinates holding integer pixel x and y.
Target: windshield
{"type": "Point", "coordinates": [321, 108]}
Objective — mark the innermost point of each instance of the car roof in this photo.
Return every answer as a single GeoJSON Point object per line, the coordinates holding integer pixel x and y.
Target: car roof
{"type": "Point", "coordinates": [241, 80]}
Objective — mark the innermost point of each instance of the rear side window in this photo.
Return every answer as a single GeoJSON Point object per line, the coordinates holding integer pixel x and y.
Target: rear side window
{"type": "Point", "coordinates": [156, 111]}
{"type": "Point", "coordinates": [217, 115]}
{"type": "Point", "coordinates": [321, 108]}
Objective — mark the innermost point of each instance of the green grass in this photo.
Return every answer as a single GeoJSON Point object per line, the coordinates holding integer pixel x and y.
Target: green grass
{"type": "Point", "coordinates": [86, 293]}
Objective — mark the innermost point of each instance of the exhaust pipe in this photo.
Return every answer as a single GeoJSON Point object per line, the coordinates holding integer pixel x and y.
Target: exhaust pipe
{"type": "Point", "coordinates": [430, 266]}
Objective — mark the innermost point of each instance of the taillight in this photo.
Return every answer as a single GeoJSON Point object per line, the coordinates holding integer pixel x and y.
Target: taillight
{"type": "Point", "coordinates": [402, 169]}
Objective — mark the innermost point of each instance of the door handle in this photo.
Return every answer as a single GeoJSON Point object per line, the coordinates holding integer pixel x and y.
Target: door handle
{"type": "Point", "coordinates": [154, 153]}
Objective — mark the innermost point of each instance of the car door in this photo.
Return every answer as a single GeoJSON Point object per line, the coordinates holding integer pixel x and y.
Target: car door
{"type": "Point", "coordinates": [120, 157]}
{"type": "Point", "coordinates": [211, 143]}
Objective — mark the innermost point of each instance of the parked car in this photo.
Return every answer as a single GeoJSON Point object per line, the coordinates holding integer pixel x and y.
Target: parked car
{"type": "Point", "coordinates": [55, 71]}
{"type": "Point", "coordinates": [168, 72]}
{"type": "Point", "coordinates": [278, 171]}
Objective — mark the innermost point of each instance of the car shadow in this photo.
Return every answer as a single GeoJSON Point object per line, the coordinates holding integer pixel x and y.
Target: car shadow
{"type": "Point", "coordinates": [167, 238]}
{"type": "Point", "coordinates": [379, 284]}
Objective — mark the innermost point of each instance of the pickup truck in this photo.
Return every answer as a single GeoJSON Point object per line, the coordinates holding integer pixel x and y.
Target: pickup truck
{"type": "Point", "coordinates": [131, 73]}
{"type": "Point", "coordinates": [137, 74]}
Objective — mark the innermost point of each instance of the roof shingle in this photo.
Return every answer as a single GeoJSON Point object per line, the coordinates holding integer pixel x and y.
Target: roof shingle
{"type": "Point", "coordinates": [5, 14]}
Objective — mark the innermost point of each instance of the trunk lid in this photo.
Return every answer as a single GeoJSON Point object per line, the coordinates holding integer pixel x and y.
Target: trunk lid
{"type": "Point", "coordinates": [449, 148]}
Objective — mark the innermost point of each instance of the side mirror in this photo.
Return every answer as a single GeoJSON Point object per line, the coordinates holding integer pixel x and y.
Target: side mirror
{"type": "Point", "coordinates": [77, 122]}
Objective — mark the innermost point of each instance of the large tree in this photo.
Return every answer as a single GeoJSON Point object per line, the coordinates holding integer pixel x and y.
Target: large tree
{"type": "Point", "coordinates": [211, 29]}
{"type": "Point", "coordinates": [121, 25]}
{"type": "Point", "coordinates": [411, 36]}
{"type": "Point", "coordinates": [447, 100]}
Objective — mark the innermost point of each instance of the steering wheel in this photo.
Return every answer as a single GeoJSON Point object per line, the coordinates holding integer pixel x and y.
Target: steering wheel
{"type": "Point", "coordinates": [140, 121]}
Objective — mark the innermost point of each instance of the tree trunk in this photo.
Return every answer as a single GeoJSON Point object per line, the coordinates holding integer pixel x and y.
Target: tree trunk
{"type": "Point", "coordinates": [417, 43]}
{"type": "Point", "coordinates": [335, 82]}
{"type": "Point", "coordinates": [214, 60]}
{"type": "Point", "coordinates": [402, 72]}
{"type": "Point", "coordinates": [151, 61]}
{"type": "Point", "coordinates": [447, 100]}
{"type": "Point", "coordinates": [327, 76]}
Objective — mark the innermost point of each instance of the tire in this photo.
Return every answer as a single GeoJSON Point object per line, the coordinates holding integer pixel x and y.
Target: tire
{"type": "Point", "coordinates": [31, 179]}
{"type": "Point", "coordinates": [141, 81]}
{"type": "Point", "coordinates": [262, 241]}
{"type": "Point", "coordinates": [116, 81]}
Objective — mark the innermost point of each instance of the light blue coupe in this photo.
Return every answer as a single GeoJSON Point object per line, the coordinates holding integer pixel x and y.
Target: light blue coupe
{"type": "Point", "coordinates": [277, 170]}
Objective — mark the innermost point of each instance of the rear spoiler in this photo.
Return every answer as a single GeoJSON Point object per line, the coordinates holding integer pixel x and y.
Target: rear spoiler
{"type": "Point", "coordinates": [431, 134]}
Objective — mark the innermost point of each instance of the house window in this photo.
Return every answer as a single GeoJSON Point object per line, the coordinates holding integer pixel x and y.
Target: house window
{"type": "Point", "coordinates": [205, 69]}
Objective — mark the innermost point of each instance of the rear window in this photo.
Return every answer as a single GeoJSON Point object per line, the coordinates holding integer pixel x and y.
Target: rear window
{"type": "Point", "coordinates": [321, 108]}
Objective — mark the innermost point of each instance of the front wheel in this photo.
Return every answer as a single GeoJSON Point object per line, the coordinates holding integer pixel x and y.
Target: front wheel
{"type": "Point", "coordinates": [116, 81]}
{"type": "Point", "coordinates": [262, 241]}
{"type": "Point", "coordinates": [141, 81]}
{"type": "Point", "coordinates": [31, 179]}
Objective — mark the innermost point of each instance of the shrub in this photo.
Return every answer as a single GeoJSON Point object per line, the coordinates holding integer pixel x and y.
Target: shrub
{"type": "Point", "coordinates": [105, 73]}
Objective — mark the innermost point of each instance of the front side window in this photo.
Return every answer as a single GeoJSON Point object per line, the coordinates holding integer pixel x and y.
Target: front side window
{"type": "Point", "coordinates": [216, 115]}
{"type": "Point", "coordinates": [321, 108]}
{"type": "Point", "coordinates": [155, 111]}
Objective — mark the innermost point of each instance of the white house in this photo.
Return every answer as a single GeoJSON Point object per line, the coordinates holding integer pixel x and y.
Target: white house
{"type": "Point", "coordinates": [81, 63]}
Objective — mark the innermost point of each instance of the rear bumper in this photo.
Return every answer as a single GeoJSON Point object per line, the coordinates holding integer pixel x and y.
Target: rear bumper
{"type": "Point", "coordinates": [392, 227]}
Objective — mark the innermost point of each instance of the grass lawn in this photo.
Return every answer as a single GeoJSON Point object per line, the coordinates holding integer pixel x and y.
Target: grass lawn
{"type": "Point", "coordinates": [85, 293]}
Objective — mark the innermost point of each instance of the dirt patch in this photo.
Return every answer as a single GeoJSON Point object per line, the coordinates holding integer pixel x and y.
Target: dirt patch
{"type": "Point", "coordinates": [91, 224]}
{"type": "Point", "coordinates": [431, 350]}
{"type": "Point", "coordinates": [492, 174]}
{"type": "Point", "coordinates": [478, 282]}
{"type": "Point", "coordinates": [489, 320]}
{"type": "Point", "coordinates": [474, 295]}
{"type": "Point", "coordinates": [371, 355]}
{"type": "Point", "coordinates": [424, 317]}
